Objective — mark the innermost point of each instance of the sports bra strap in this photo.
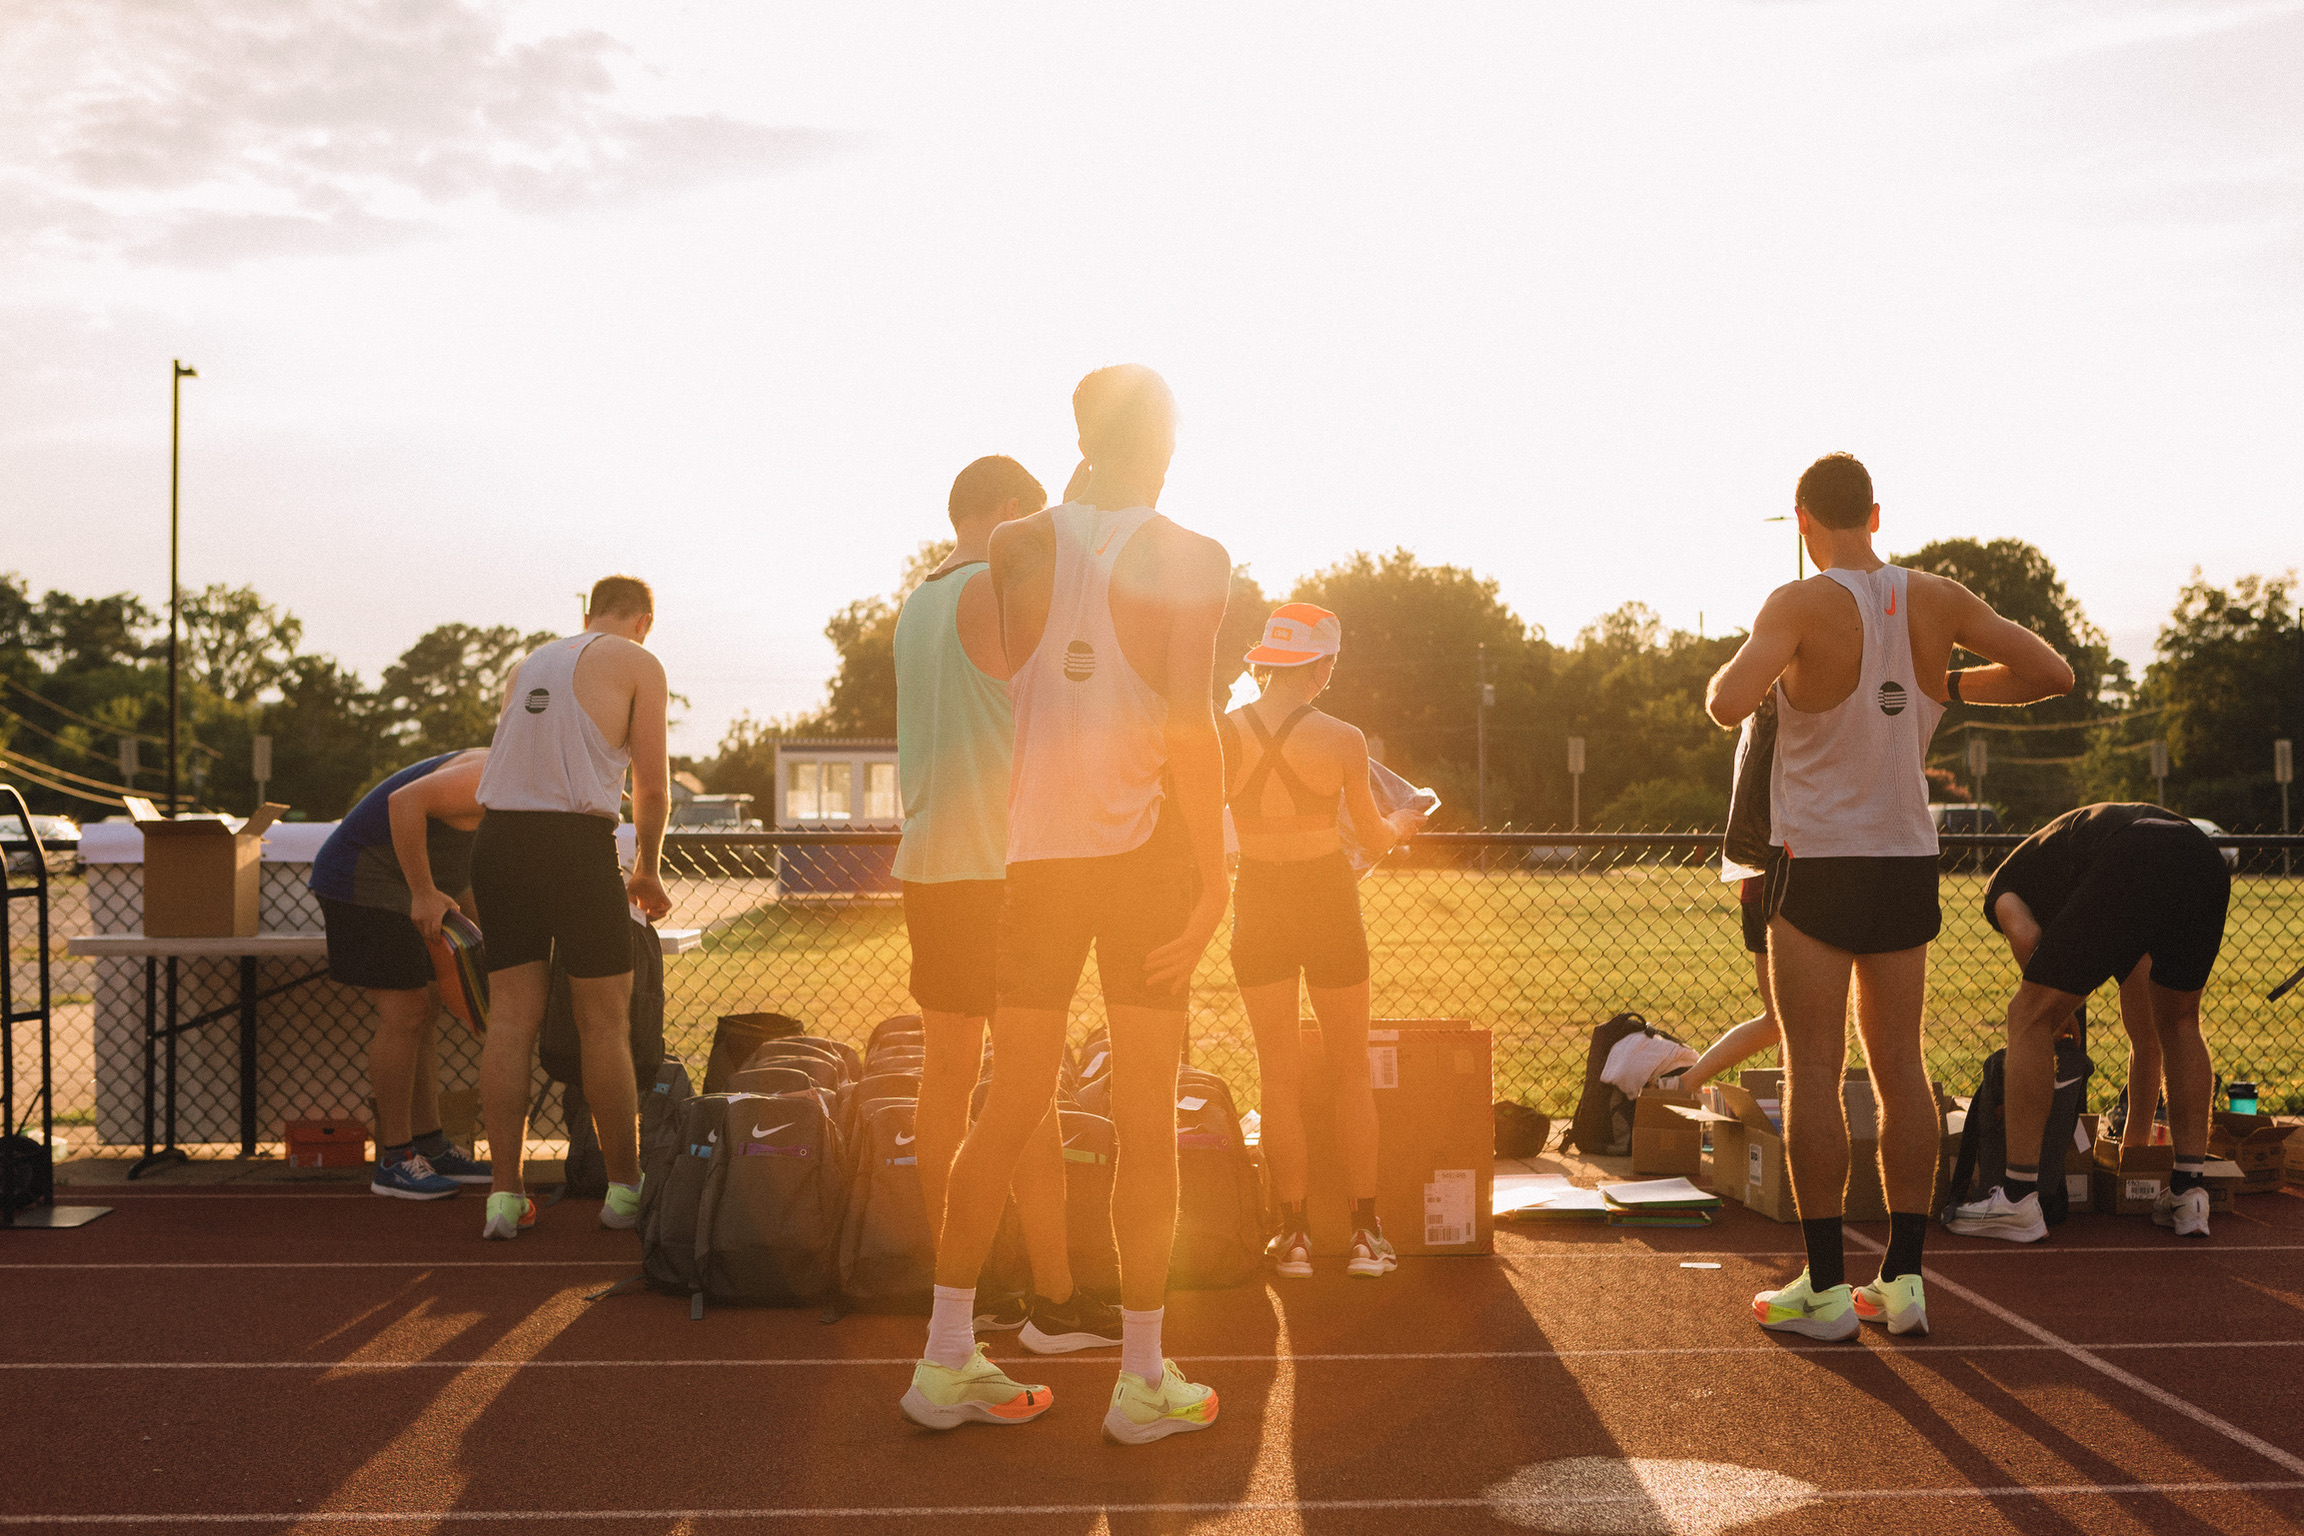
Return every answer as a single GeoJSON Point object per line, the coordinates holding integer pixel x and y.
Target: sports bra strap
{"type": "Point", "coordinates": [1310, 804]}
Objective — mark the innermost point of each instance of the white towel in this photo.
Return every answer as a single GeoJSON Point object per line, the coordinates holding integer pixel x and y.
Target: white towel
{"type": "Point", "coordinates": [1638, 1059]}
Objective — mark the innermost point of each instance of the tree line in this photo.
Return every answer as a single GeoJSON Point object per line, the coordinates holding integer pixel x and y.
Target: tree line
{"type": "Point", "coordinates": [80, 675]}
{"type": "Point", "coordinates": [2227, 679]}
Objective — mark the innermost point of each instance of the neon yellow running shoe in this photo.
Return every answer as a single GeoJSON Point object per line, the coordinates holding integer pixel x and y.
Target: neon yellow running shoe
{"type": "Point", "coordinates": [1899, 1303]}
{"type": "Point", "coordinates": [1142, 1413]}
{"type": "Point", "coordinates": [977, 1393]}
{"type": "Point", "coordinates": [620, 1212]}
{"type": "Point", "coordinates": [508, 1216]}
{"type": "Point", "coordinates": [1828, 1314]}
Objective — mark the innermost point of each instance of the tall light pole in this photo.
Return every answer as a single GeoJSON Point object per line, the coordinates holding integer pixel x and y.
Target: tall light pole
{"type": "Point", "coordinates": [1799, 545]}
{"type": "Point", "coordinates": [1480, 739]}
{"type": "Point", "coordinates": [175, 588]}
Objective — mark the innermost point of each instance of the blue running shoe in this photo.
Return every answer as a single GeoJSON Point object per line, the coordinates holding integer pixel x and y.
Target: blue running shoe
{"type": "Point", "coordinates": [458, 1164]}
{"type": "Point", "coordinates": [411, 1178]}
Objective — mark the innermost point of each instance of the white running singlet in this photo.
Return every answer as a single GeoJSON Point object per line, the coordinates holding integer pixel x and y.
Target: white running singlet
{"type": "Point", "coordinates": [1090, 753]}
{"type": "Point", "coordinates": [1851, 781]}
{"type": "Point", "coordinates": [547, 754]}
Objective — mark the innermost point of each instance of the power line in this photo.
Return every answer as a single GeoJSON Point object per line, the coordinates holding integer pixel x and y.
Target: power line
{"type": "Point", "coordinates": [63, 789]}
{"type": "Point", "coordinates": [80, 719]}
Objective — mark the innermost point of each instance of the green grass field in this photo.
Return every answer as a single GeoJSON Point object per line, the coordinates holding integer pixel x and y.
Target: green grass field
{"type": "Point", "coordinates": [1539, 958]}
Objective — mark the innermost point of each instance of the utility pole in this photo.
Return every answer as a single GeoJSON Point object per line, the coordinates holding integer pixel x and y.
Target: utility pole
{"type": "Point", "coordinates": [1575, 783]}
{"type": "Point", "coordinates": [175, 588]}
{"type": "Point", "coordinates": [1480, 750]}
{"type": "Point", "coordinates": [2284, 774]}
{"type": "Point", "coordinates": [2160, 771]}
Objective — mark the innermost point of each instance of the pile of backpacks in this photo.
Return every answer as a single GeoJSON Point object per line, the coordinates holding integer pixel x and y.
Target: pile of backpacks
{"type": "Point", "coordinates": [792, 1178]}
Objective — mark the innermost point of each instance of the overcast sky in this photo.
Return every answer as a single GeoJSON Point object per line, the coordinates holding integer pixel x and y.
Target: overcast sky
{"type": "Point", "coordinates": [489, 301]}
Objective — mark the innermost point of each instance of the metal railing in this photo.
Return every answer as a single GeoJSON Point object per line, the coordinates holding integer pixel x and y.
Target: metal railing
{"type": "Point", "coordinates": [1536, 936]}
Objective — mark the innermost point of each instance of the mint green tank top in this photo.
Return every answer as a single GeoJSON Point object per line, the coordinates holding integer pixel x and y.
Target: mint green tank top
{"type": "Point", "coordinates": [954, 736]}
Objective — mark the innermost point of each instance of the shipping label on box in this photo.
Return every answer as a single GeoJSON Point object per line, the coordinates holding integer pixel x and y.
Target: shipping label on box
{"type": "Point", "coordinates": [1448, 1219]}
{"type": "Point", "coordinates": [2128, 1179]}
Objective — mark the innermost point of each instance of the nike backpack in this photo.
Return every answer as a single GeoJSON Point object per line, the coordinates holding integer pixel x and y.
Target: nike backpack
{"type": "Point", "coordinates": [1219, 1200]}
{"type": "Point", "coordinates": [660, 1105]}
{"type": "Point", "coordinates": [672, 1202]}
{"type": "Point", "coordinates": [887, 1253]}
{"type": "Point", "coordinates": [769, 1226]}
{"type": "Point", "coordinates": [735, 1036]}
{"type": "Point", "coordinates": [1983, 1160]}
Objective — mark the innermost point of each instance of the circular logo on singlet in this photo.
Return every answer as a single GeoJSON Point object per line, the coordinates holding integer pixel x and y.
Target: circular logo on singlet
{"type": "Point", "coordinates": [536, 700]}
{"type": "Point", "coordinates": [1079, 661]}
{"type": "Point", "coordinates": [1891, 698]}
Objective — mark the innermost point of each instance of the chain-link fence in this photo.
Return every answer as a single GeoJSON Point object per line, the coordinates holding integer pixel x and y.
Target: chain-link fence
{"type": "Point", "coordinates": [1535, 936]}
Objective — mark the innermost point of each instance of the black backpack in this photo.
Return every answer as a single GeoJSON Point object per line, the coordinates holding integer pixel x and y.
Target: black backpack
{"type": "Point", "coordinates": [560, 1048]}
{"type": "Point", "coordinates": [1603, 1123]}
{"type": "Point", "coordinates": [1219, 1199]}
{"type": "Point", "coordinates": [1983, 1160]}
{"type": "Point", "coordinates": [672, 1202]}
{"type": "Point", "coordinates": [772, 1214]}
{"type": "Point", "coordinates": [887, 1253]}
{"type": "Point", "coordinates": [734, 1039]}
{"type": "Point", "coordinates": [660, 1105]}
{"type": "Point", "coordinates": [823, 1069]}
{"type": "Point", "coordinates": [1090, 1145]}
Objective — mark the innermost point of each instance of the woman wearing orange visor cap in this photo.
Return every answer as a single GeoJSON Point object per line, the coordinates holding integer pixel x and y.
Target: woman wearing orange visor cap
{"type": "Point", "coordinates": [1290, 771]}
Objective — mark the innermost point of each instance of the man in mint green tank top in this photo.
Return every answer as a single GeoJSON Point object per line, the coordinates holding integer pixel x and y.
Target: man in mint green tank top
{"type": "Point", "coordinates": [954, 733]}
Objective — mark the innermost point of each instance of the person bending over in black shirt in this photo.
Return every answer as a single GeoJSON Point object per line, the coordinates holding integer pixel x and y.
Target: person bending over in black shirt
{"type": "Point", "coordinates": [2125, 891]}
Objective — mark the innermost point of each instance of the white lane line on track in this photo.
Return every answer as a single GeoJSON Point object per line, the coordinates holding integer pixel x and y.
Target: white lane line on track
{"type": "Point", "coordinates": [2287, 1460]}
{"type": "Point", "coordinates": [2009, 1251]}
{"type": "Point", "coordinates": [1038, 1361]}
{"type": "Point", "coordinates": [1179, 1507]}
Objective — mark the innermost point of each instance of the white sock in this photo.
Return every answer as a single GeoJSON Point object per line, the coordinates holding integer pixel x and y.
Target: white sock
{"type": "Point", "coordinates": [1140, 1343]}
{"type": "Point", "coordinates": [952, 1327]}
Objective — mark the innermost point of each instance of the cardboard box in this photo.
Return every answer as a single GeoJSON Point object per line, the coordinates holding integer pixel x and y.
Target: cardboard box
{"type": "Point", "coordinates": [2257, 1143]}
{"type": "Point", "coordinates": [2129, 1179]}
{"type": "Point", "coordinates": [1435, 1147]}
{"type": "Point", "coordinates": [201, 877]}
{"type": "Point", "coordinates": [1749, 1164]}
{"type": "Point", "coordinates": [1664, 1143]}
{"type": "Point", "coordinates": [326, 1143]}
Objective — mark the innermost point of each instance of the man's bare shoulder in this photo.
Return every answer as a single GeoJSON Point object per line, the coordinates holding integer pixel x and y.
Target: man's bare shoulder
{"type": "Point", "coordinates": [1026, 542]}
{"type": "Point", "coordinates": [1194, 561]}
{"type": "Point", "coordinates": [1940, 594]}
{"type": "Point", "coordinates": [628, 657]}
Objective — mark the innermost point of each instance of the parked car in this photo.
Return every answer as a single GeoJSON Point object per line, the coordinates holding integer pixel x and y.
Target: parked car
{"type": "Point", "coordinates": [59, 840]}
{"type": "Point", "coordinates": [2231, 855]}
{"type": "Point", "coordinates": [715, 813]}
{"type": "Point", "coordinates": [1966, 818]}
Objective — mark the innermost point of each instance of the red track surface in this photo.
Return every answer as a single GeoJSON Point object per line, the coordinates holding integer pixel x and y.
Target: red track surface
{"type": "Point", "coordinates": [289, 1360]}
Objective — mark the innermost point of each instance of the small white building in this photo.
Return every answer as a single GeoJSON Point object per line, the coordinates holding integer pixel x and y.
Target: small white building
{"type": "Point", "coordinates": [844, 783]}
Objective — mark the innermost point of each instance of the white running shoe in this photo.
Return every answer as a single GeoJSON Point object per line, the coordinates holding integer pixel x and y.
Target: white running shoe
{"type": "Point", "coordinates": [2186, 1212]}
{"type": "Point", "coordinates": [2012, 1221]}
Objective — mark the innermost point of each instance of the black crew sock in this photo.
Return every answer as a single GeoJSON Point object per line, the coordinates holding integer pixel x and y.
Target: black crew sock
{"type": "Point", "coordinates": [1906, 1232]}
{"type": "Point", "coordinates": [1364, 1215]}
{"type": "Point", "coordinates": [1827, 1264]}
{"type": "Point", "coordinates": [2020, 1180]}
{"type": "Point", "coordinates": [2190, 1174]}
{"type": "Point", "coordinates": [1295, 1218]}
{"type": "Point", "coordinates": [432, 1143]}
{"type": "Point", "coordinates": [394, 1154]}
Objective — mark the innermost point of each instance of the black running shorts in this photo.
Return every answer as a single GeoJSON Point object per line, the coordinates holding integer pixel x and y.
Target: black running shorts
{"type": "Point", "coordinates": [1297, 918]}
{"type": "Point", "coordinates": [374, 947]}
{"type": "Point", "coordinates": [546, 879]}
{"type": "Point", "coordinates": [2157, 888]}
{"type": "Point", "coordinates": [1751, 901]}
{"type": "Point", "coordinates": [954, 926]}
{"type": "Point", "coordinates": [1125, 905]}
{"type": "Point", "coordinates": [1867, 906]}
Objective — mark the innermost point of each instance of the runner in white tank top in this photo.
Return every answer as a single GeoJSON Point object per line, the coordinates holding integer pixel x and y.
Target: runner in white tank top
{"type": "Point", "coordinates": [576, 714]}
{"type": "Point", "coordinates": [1115, 844]}
{"type": "Point", "coordinates": [1090, 752]}
{"type": "Point", "coordinates": [1855, 660]}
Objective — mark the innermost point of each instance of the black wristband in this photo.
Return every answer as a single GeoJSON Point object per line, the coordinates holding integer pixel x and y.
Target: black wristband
{"type": "Point", "coordinates": [1952, 687]}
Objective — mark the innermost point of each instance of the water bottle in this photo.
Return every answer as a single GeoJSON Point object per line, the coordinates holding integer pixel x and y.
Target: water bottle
{"type": "Point", "coordinates": [2243, 1097]}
